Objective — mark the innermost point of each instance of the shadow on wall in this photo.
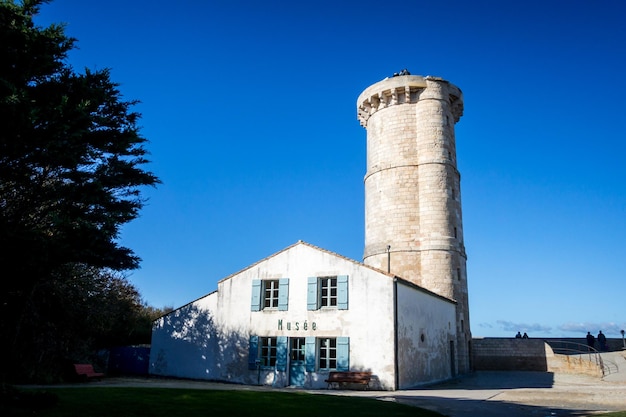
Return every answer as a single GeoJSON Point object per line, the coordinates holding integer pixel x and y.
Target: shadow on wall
{"type": "Point", "coordinates": [187, 343]}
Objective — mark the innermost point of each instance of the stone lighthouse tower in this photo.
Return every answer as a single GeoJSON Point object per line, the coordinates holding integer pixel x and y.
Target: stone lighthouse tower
{"type": "Point", "coordinates": [413, 223]}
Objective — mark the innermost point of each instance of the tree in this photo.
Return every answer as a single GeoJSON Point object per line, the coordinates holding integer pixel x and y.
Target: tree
{"type": "Point", "coordinates": [71, 158]}
{"type": "Point", "coordinates": [78, 310]}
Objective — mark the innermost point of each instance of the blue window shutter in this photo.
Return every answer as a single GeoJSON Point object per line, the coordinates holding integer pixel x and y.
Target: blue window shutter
{"type": "Point", "coordinates": [311, 295]}
{"type": "Point", "coordinates": [255, 303]}
{"type": "Point", "coordinates": [281, 353]}
{"type": "Point", "coordinates": [283, 294]}
{"type": "Point", "coordinates": [343, 353]}
{"type": "Point", "coordinates": [253, 351]}
{"type": "Point", "coordinates": [309, 354]}
{"type": "Point", "coordinates": [342, 292]}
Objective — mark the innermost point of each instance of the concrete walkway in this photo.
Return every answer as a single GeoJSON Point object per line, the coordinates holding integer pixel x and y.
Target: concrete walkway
{"type": "Point", "coordinates": [480, 394]}
{"type": "Point", "coordinates": [519, 394]}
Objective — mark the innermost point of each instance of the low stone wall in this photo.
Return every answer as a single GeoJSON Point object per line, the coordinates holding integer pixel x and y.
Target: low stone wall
{"type": "Point", "coordinates": [574, 364]}
{"type": "Point", "coordinates": [509, 354]}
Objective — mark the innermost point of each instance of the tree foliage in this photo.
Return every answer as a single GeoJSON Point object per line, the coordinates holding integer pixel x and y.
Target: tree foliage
{"type": "Point", "coordinates": [71, 158]}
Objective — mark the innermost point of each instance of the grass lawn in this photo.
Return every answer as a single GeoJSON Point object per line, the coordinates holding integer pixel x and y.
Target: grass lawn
{"type": "Point", "coordinates": [167, 402]}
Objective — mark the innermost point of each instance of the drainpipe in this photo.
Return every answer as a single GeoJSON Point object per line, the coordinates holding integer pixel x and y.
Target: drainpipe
{"type": "Point", "coordinates": [395, 335]}
{"type": "Point", "coordinates": [388, 258]}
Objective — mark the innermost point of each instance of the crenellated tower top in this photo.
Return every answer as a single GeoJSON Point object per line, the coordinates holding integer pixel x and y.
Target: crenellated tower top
{"type": "Point", "coordinates": [406, 89]}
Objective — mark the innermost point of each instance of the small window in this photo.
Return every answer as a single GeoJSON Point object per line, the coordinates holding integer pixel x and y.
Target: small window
{"type": "Point", "coordinates": [267, 354]}
{"type": "Point", "coordinates": [333, 353]}
{"type": "Point", "coordinates": [328, 354]}
{"type": "Point", "coordinates": [270, 293]}
{"type": "Point", "coordinates": [328, 292]}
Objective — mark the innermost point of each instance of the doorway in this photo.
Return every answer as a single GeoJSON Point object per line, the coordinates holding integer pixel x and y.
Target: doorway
{"type": "Point", "coordinates": [452, 359]}
{"type": "Point", "coordinates": [297, 374]}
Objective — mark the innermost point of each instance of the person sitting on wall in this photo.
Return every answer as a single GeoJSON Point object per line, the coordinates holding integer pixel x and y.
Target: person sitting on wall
{"type": "Point", "coordinates": [518, 335]}
{"type": "Point", "coordinates": [525, 336]}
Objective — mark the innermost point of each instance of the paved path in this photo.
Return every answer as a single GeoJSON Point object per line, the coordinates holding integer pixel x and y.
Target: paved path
{"type": "Point", "coordinates": [520, 394]}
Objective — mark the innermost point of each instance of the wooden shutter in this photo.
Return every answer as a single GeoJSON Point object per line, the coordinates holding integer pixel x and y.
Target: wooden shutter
{"type": "Point", "coordinates": [309, 354]}
{"type": "Point", "coordinates": [311, 295]}
{"type": "Point", "coordinates": [253, 351]}
{"type": "Point", "coordinates": [343, 353]}
{"type": "Point", "coordinates": [342, 292]}
{"type": "Point", "coordinates": [283, 294]}
{"type": "Point", "coordinates": [255, 302]}
{"type": "Point", "coordinates": [281, 353]}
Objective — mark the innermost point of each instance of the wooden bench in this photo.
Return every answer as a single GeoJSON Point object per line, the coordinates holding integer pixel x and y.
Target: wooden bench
{"type": "Point", "coordinates": [85, 372]}
{"type": "Point", "coordinates": [337, 378]}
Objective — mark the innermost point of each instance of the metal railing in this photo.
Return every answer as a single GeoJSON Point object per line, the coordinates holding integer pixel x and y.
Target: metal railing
{"type": "Point", "coordinates": [563, 347]}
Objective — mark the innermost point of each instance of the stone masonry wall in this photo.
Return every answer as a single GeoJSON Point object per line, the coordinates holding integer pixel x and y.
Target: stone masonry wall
{"type": "Point", "coordinates": [413, 223]}
{"type": "Point", "coordinates": [509, 354]}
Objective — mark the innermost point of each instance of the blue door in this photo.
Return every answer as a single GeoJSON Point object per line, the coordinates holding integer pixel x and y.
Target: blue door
{"type": "Point", "coordinates": [296, 362]}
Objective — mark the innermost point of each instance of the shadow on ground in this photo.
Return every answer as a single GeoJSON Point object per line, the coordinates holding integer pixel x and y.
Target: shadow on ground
{"type": "Point", "coordinates": [498, 380]}
{"type": "Point", "coordinates": [459, 407]}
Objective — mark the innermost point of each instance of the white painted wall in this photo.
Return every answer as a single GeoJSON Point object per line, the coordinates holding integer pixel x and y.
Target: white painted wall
{"type": "Point", "coordinates": [209, 338]}
{"type": "Point", "coordinates": [424, 359]}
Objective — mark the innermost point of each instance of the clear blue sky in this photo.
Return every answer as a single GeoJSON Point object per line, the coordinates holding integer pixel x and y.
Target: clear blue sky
{"type": "Point", "coordinates": [249, 107]}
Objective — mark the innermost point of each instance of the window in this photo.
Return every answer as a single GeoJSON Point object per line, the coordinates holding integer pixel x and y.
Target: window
{"type": "Point", "coordinates": [333, 353]}
{"type": "Point", "coordinates": [267, 354]}
{"type": "Point", "coordinates": [328, 288]}
{"type": "Point", "coordinates": [328, 354]}
{"type": "Point", "coordinates": [297, 349]}
{"type": "Point", "coordinates": [331, 292]}
{"type": "Point", "coordinates": [270, 294]}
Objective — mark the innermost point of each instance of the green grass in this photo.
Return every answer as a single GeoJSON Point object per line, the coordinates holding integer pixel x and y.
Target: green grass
{"type": "Point", "coordinates": [165, 402]}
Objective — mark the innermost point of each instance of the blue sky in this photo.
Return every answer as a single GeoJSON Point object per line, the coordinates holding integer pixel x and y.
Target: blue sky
{"type": "Point", "coordinates": [250, 112]}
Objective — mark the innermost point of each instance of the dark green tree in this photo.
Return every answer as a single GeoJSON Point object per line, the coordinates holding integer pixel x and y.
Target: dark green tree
{"type": "Point", "coordinates": [71, 158]}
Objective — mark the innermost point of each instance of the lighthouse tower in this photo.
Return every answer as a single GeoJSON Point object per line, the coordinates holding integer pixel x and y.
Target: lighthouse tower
{"type": "Point", "coordinates": [413, 223]}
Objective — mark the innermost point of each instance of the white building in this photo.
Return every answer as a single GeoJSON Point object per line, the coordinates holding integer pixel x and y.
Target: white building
{"type": "Point", "coordinates": [301, 313]}
{"type": "Point", "coordinates": [292, 318]}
